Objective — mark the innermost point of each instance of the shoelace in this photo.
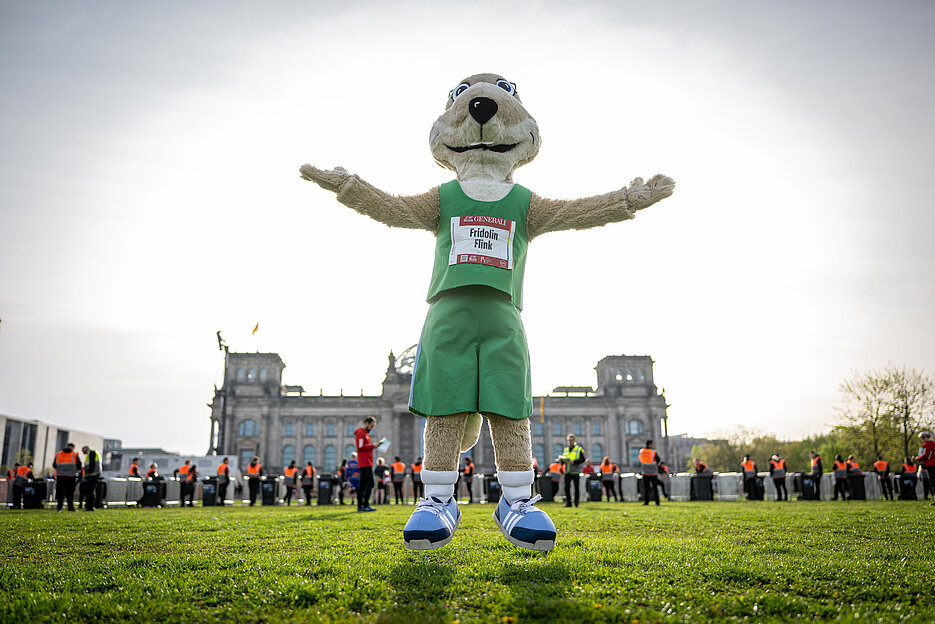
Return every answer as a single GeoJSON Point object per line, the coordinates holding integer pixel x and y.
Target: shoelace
{"type": "Point", "coordinates": [430, 504]}
{"type": "Point", "coordinates": [522, 506]}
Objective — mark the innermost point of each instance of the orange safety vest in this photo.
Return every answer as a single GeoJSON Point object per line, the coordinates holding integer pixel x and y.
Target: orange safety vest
{"type": "Point", "coordinates": [881, 465]}
{"type": "Point", "coordinates": [854, 464]}
{"type": "Point", "coordinates": [21, 478]}
{"type": "Point", "coordinates": [152, 472]}
{"type": "Point", "coordinates": [223, 469]}
{"type": "Point", "coordinates": [909, 468]}
{"type": "Point", "coordinates": [133, 471]}
{"type": "Point", "coordinates": [779, 468]}
{"type": "Point", "coordinates": [417, 473]}
{"type": "Point", "coordinates": [399, 472]}
{"type": "Point", "coordinates": [607, 471]}
{"type": "Point", "coordinates": [190, 475]}
{"type": "Point", "coordinates": [647, 459]}
{"type": "Point", "coordinates": [66, 464]}
{"type": "Point", "coordinates": [254, 469]}
{"type": "Point", "coordinates": [815, 461]}
{"type": "Point", "coordinates": [290, 475]}
{"type": "Point", "coordinates": [556, 469]}
{"type": "Point", "coordinates": [183, 470]}
{"type": "Point", "coordinates": [308, 475]}
{"type": "Point", "coordinates": [469, 471]}
{"type": "Point", "coordinates": [840, 470]}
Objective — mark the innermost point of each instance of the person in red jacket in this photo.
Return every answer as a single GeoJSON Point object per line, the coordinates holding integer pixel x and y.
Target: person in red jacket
{"type": "Point", "coordinates": [926, 458]}
{"type": "Point", "coordinates": [365, 447]}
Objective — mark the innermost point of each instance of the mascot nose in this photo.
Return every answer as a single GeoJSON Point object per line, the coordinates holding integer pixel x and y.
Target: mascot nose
{"type": "Point", "coordinates": [482, 109]}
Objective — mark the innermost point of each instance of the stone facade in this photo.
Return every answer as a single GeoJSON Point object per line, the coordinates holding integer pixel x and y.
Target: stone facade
{"type": "Point", "coordinates": [253, 413]}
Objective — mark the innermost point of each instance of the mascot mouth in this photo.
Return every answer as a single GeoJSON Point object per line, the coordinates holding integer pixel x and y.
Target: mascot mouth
{"type": "Point", "coordinates": [500, 149]}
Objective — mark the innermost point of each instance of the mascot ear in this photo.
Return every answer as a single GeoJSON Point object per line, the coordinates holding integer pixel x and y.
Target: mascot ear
{"type": "Point", "coordinates": [471, 431]}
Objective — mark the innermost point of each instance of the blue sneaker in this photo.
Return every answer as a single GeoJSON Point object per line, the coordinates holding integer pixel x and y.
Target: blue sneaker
{"type": "Point", "coordinates": [432, 524]}
{"type": "Point", "coordinates": [523, 525]}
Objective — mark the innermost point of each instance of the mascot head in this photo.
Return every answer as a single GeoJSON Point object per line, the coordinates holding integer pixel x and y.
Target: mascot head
{"type": "Point", "coordinates": [485, 132]}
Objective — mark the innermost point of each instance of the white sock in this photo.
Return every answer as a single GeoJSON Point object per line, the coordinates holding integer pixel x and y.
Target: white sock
{"type": "Point", "coordinates": [515, 485]}
{"type": "Point", "coordinates": [439, 483]}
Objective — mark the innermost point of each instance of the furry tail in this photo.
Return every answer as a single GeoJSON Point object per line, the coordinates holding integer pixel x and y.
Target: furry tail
{"type": "Point", "coordinates": [471, 431]}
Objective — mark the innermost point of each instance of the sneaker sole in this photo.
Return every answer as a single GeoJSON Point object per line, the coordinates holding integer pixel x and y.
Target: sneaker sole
{"type": "Point", "coordinates": [424, 544]}
{"type": "Point", "coordinates": [540, 545]}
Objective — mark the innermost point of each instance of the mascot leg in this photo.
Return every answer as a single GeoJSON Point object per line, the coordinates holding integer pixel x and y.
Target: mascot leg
{"type": "Point", "coordinates": [436, 517]}
{"type": "Point", "coordinates": [522, 523]}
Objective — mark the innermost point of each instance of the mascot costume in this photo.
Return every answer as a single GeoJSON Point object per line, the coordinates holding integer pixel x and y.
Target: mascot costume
{"type": "Point", "coordinates": [472, 358]}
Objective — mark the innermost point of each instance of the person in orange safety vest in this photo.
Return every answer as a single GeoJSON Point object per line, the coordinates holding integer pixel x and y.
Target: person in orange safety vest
{"type": "Point", "coordinates": [67, 466]}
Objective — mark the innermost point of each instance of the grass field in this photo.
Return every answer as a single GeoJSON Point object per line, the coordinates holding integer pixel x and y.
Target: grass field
{"type": "Point", "coordinates": [681, 562]}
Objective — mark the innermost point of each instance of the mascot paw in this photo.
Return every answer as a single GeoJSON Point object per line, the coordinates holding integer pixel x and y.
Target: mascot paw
{"type": "Point", "coordinates": [642, 194]}
{"type": "Point", "coordinates": [330, 180]}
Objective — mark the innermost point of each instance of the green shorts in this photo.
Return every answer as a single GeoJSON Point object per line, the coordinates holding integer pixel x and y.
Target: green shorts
{"type": "Point", "coordinates": [472, 357]}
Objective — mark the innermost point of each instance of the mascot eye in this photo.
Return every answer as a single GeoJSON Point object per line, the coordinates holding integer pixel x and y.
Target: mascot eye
{"type": "Point", "coordinates": [461, 88]}
{"type": "Point", "coordinates": [507, 86]}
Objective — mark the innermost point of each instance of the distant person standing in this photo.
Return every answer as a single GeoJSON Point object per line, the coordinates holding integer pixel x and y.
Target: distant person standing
{"type": "Point", "coordinates": [254, 474]}
{"type": "Point", "coordinates": [181, 475]}
{"type": "Point", "coordinates": [20, 480]}
{"type": "Point", "coordinates": [224, 478]}
{"type": "Point", "coordinates": [817, 471]}
{"type": "Point", "coordinates": [308, 483]}
{"type": "Point", "coordinates": [664, 479]}
{"type": "Point", "coordinates": [398, 477]}
{"type": "Point", "coordinates": [92, 475]}
{"type": "Point", "coordinates": [67, 465]}
{"type": "Point", "coordinates": [291, 480]}
{"type": "Point", "coordinates": [882, 468]}
{"type": "Point", "coordinates": [926, 457]}
{"type": "Point", "coordinates": [572, 458]}
{"type": "Point", "coordinates": [700, 466]}
{"type": "Point", "coordinates": [748, 466]}
{"type": "Point", "coordinates": [555, 476]}
{"type": "Point", "coordinates": [468, 474]}
{"type": "Point", "coordinates": [191, 484]}
{"type": "Point", "coordinates": [649, 469]}
{"type": "Point", "coordinates": [365, 447]}
{"type": "Point", "coordinates": [352, 475]}
{"type": "Point", "coordinates": [840, 478]}
{"type": "Point", "coordinates": [608, 475]}
{"type": "Point", "coordinates": [381, 477]}
{"type": "Point", "coordinates": [418, 488]}
{"type": "Point", "coordinates": [777, 472]}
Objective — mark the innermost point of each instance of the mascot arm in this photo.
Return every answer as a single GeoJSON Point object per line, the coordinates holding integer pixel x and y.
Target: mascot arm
{"type": "Point", "coordinates": [420, 212]}
{"type": "Point", "coordinates": [553, 215]}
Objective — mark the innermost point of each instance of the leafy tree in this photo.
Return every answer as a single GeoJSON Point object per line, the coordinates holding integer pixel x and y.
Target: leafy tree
{"type": "Point", "coordinates": [884, 411]}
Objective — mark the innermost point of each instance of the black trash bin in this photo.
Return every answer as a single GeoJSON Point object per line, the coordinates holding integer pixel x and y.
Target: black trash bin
{"type": "Point", "coordinates": [856, 485]}
{"type": "Point", "coordinates": [759, 489]}
{"type": "Point", "coordinates": [544, 482]}
{"type": "Point", "coordinates": [492, 488]}
{"type": "Point", "coordinates": [702, 488]}
{"type": "Point", "coordinates": [269, 486]}
{"type": "Point", "coordinates": [153, 493]}
{"type": "Point", "coordinates": [325, 488]}
{"type": "Point", "coordinates": [907, 487]}
{"type": "Point", "coordinates": [805, 484]}
{"type": "Point", "coordinates": [34, 494]}
{"type": "Point", "coordinates": [209, 491]}
{"type": "Point", "coordinates": [594, 488]}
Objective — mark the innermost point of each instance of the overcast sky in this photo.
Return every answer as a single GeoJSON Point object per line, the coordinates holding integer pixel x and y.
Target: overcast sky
{"type": "Point", "coordinates": [149, 196]}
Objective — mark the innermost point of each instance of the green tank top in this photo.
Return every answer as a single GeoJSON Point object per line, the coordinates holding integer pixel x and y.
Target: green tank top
{"type": "Point", "coordinates": [481, 243]}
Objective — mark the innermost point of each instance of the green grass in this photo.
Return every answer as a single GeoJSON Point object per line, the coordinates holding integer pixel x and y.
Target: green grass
{"type": "Point", "coordinates": [681, 562]}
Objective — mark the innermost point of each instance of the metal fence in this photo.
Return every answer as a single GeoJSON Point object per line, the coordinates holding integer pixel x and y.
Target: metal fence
{"type": "Point", "coordinates": [727, 486]}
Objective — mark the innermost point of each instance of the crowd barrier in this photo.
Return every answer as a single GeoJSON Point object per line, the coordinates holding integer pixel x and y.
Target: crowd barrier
{"type": "Point", "coordinates": [725, 486]}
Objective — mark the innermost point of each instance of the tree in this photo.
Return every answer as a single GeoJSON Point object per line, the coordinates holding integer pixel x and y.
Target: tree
{"type": "Point", "coordinates": [884, 410]}
{"type": "Point", "coordinates": [911, 404]}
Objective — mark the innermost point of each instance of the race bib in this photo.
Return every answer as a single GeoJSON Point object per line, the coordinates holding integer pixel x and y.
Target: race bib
{"type": "Point", "coordinates": [482, 240]}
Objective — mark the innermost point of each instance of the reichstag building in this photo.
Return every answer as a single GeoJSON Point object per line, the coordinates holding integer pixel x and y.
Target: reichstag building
{"type": "Point", "coordinates": [253, 413]}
